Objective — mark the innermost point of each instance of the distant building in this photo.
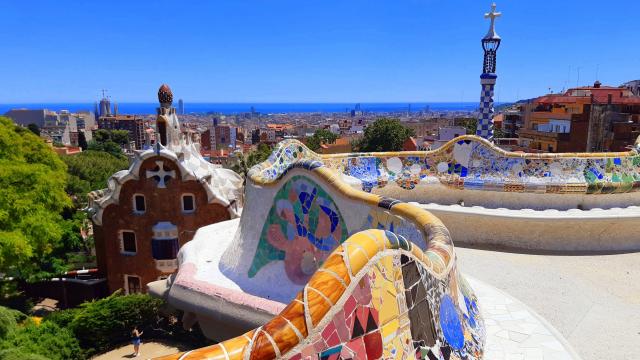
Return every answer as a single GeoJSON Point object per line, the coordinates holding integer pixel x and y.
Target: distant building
{"type": "Point", "coordinates": [634, 86]}
{"type": "Point", "coordinates": [255, 136]}
{"type": "Point", "coordinates": [341, 145]}
{"type": "Point", "coordinates": [67, 150]}
{"type": "Point", "coordinates": [63, 127]}
{"type": "Point", "coordinates": [592, 118]}
{"type": "Point", "coordinates": [150, 210]}
{"type": "Point", "coordinates": [59, 134]}
{"type": "Point", "coordinates": [223, 137]}
{"type": "Point", "coordinates": [134, 124]}
{"type": "Point", "coordinates": [25, 117]}
{"type": "Point", "coordinates": [513, 119]}
{"type": "Point", "coordinates": [180, 107]}
{"type": "Point", "coordinates": [410, 144]}
{"type": "Point", "coordinates": [448, 133]}
{"type": "Point", "coordinates": [105, 107]}
{"type": "Point", "coordinates": [205, 140]}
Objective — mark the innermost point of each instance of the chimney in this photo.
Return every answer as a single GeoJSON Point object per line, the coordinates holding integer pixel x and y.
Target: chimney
{"type": "Point", "coordinates": [597, 84]}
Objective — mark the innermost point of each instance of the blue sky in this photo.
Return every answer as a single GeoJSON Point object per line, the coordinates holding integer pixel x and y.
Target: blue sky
{"type": "Point", "coordinates": [308, 50]}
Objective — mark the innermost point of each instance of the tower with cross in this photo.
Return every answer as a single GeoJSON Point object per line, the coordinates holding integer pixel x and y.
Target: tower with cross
{"type": "Point", "coordinates": [490, 45]}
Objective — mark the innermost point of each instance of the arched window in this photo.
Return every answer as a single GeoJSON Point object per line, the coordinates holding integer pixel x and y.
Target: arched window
{"type": "Point", "coordinates": [188, 203]}
{"type": "Point", "coordinates": [139, 204]}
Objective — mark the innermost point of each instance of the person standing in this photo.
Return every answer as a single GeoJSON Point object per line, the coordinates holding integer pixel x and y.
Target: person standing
{"type": "Point", "coordinates": [135, 339]}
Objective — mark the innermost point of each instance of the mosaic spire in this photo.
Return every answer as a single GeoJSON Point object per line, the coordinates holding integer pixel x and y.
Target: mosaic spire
{"type": "Point", "coordinates": [490, 45]}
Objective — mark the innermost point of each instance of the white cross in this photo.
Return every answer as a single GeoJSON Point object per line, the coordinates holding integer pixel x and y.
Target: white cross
{"type": "Point", "coordinates": [161, 174]}
{"type": "Point", "coordinates": [492, 15]}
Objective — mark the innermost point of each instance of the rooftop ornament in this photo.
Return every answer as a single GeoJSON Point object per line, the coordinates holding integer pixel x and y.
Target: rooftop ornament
{"type": "Point", "coordinates": [165, 96]}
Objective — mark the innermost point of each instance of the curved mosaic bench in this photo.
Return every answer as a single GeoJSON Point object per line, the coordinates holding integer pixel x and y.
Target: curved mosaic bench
{"type": "Point", "coordinates": [376, 296]}
{"type": "Point", "coordinates": [362, 273]}
{"type": "Point", "coordinates": [471, 163]}
{"type": "Point", "coordinates": [469, 180]}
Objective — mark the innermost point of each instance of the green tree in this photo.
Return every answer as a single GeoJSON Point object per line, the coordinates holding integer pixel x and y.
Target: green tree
{"type": "Point", "coordinates": [321, 136]}
{"type": "Point", "coordinates": [110, 141]}
{"type": "Point", "coordinates": [7, 321]}
{"type": "Point", "coordinates": [244, 163]}
{"type": "Point", "coordinates": [32, 199]}
{"type": "Point", "coordinates": [90, 171]}
{"type": "Point", "coordinates": [384, 135]}
{"type": "Point", "coordinates": [47, 340]}
{"type": "Point", "coordinates": [472, 125]}
{"type": "Point", "coordinates": [120, 137]}
{"type": "Point", "coordinates": [101, 324]}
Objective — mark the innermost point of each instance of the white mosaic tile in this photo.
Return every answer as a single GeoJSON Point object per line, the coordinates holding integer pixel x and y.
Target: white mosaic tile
{"type": "Point", "coordinates": [514, 331]}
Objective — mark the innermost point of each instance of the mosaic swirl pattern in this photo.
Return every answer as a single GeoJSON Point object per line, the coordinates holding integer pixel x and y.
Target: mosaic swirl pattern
{"type": "Point", "coordinates": [375, 297]}
{"type": "Point", "coordinates": [303, 226]}
{"type": "Point", "coordinates": [470, 163]}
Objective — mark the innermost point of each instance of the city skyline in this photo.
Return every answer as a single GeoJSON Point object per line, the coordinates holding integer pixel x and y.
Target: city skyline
{"type": "Point", "coordinates": [291, 52]}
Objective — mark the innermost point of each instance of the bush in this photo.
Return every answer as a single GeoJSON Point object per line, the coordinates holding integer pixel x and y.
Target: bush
{"type": "Point", "coordinates": [101, 324]}
{"type": "Point", "coordinates": [61, 318]}
{"type": "Point", "coordinates": [104, 324]}
{"type": "Point", "coordinates": [7, 321]}
{"type": "Point", "coordinates": [18, 354]}
{"type": "Point", "coordinates": [48, 340]}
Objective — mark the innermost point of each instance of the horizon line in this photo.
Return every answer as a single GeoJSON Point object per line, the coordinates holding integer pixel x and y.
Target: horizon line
{"type": "Point", "coordinates": [259, 102]}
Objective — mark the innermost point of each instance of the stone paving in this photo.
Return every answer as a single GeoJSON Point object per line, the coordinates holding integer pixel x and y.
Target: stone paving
{"type": "Point", "coordinates": [516, 332]}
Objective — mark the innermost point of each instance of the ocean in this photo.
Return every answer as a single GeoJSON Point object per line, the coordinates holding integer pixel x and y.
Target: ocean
{"type": "Point", "coordinates": [265, 108]}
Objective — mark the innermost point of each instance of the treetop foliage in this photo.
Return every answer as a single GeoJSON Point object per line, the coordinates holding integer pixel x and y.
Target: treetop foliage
{"type": "Point", "coordinates": [384, 135]}
{"type": "Point", "coordinates": [110, 141]}
{"type": "Point", "coordinates": [21, 338]}
{"type": "Point", "coordinates": [244, 162]}
{"type": "Point", "coordinates": [321, 136]}
{"type": "Point", "coordinates": [90, 170]}
{"type": "Point", "coordinates": [32, 199]}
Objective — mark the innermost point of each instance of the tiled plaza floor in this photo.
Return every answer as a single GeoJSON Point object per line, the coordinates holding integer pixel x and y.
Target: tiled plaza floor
{"type": "Point", "coordinates": [591, 299]}
{"type": "Point", "coordinates": [514, 331]}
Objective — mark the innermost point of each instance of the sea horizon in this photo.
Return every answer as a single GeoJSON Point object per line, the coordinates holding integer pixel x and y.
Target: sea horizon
{"type": "Point", "coordinates": [227, 108]}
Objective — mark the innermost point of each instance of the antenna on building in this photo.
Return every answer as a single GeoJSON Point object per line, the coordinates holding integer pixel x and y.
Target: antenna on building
{"type": "Point", "coordinates": [597, 71]}
{"type": "Point", "coordinates": [578, 80]}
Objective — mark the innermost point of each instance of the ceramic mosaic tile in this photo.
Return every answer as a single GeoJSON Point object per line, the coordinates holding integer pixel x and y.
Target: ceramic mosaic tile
{"type": "Point", "coordinates": [471, 163]}
{"type": "Point", "coordinates": [303, 226]}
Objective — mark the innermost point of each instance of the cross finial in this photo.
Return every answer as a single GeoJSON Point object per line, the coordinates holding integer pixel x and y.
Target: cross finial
{"type": "Point", "coordinates": [161, 175]}
{"type": "Point", "coordinates": [492, 15]}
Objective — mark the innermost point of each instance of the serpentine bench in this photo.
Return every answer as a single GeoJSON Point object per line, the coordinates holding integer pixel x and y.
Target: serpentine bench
{"type": "Point", "coordinates": [564, 202]}
{"type": "Point", "coordinates": [315, 267]}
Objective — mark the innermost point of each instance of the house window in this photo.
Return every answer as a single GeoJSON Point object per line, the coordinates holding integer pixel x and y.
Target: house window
{"type": "Point", "coordinates": [132, 284]}
{"type": "Point", "coordinates": [165, 249]}
{"type": "Point", "coordinates": [188, 203]}
{"type": "Point", "coordinates": [128, 243]}
{"type": "Point", "coordinates": [139, 204]}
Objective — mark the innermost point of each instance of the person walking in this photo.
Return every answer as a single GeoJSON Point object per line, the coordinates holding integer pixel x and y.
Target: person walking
{"type": "Point", "coordinates": [135, 339]}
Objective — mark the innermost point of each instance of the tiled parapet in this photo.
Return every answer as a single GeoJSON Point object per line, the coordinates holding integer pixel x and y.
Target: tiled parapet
{"type": "Point", "coordinates": [469, 163]}
{"type": "Point", "coordinates": [376, 296]}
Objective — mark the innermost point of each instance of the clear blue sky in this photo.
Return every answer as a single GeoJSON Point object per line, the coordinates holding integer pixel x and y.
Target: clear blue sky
{"type": "Point", "coordinates": [308, 50]}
